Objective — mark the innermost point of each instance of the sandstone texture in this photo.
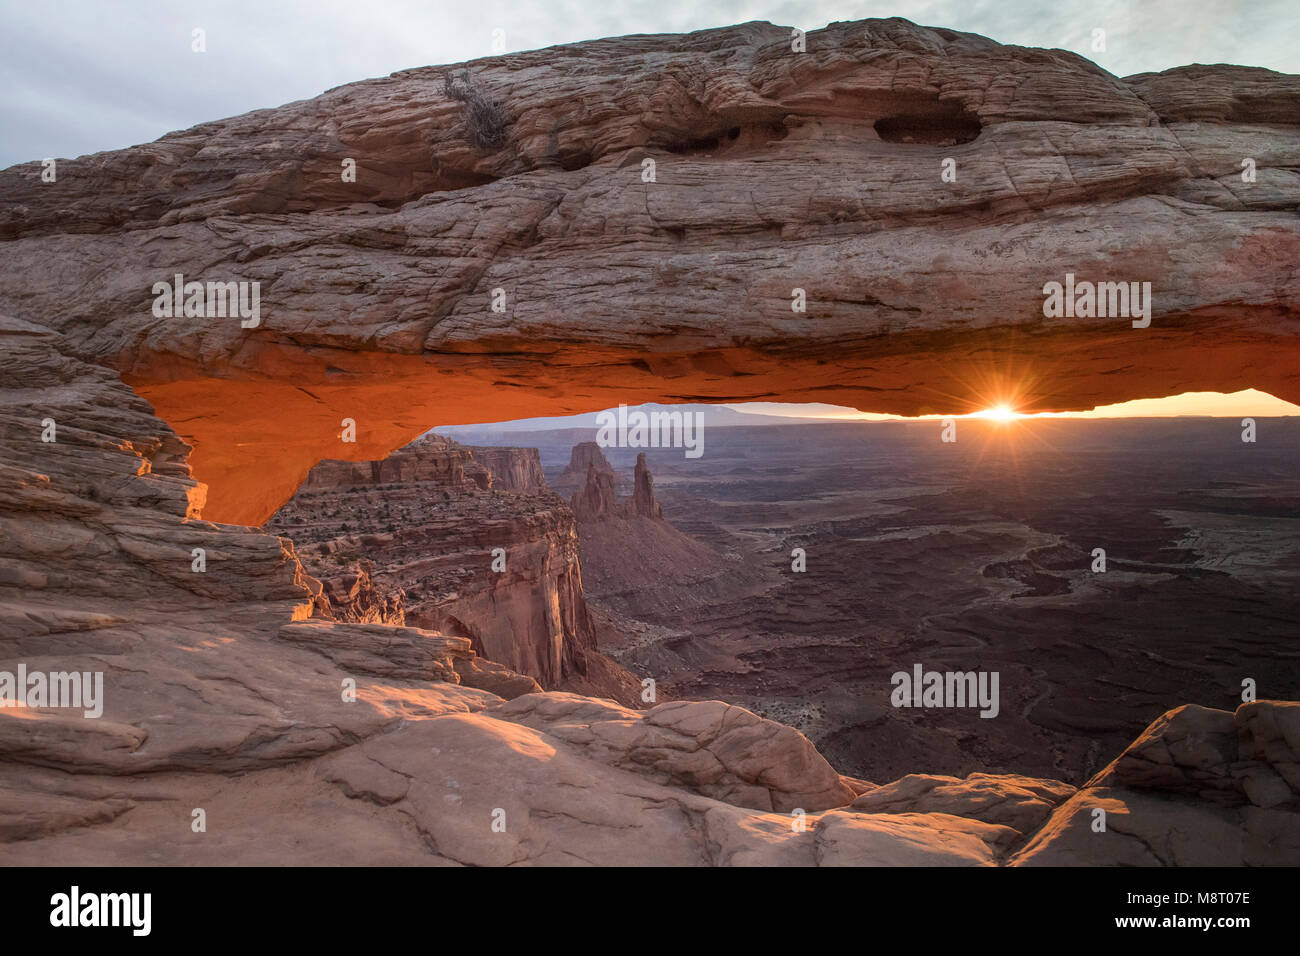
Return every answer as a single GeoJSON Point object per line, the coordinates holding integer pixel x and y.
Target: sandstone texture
{"type": "Point", "coordinates": [1021, 803]}
{"type": "Point", "coordinates": [308, 740]}
{"type": "Point", "coordinates": [709, 747]}
{"type": "Point", "coordinates": [408, 653]}
{"type": "Point", "coordinates": [774, 171]}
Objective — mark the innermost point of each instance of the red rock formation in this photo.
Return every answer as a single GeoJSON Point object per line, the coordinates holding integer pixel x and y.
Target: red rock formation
{"type": "Point", "coordinates": [203, 671]}
{"type": "Point", "coordinates": [625, 545]}
{"type": "Point", "coordinates": [643, 498]}
{"type": "Point", "coordinates": [438, 461]}
{"type": "Point", "coordinates": [775, 171]}
{"type": "Point", "coordinates": [105, 566]}
{"type": "Point", "coordinates": [407, 653]}
{"type": "Point", "coordinates": [351, 594]}
{"type": "Point", "coordinates": [427, 528]}
{"type": "Point", "coordinates": [517, 470]}
{"type": "Point", "coordinates": [596, 500]}
{"type": "Point", "coordinates": [584, 456]}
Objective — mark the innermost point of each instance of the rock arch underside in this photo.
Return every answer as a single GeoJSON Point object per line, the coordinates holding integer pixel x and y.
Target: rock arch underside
{"type": "Point", "coordinates": [773, 171]}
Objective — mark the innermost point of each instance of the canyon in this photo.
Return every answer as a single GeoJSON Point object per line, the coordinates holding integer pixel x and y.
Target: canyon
{"type": "Point", "coordinates": [468, 542]}
{"type": "Point", "coordinates": [294, 711]}
{"type": "Point", "coordinates": [222, 692]}
{"type": "Point", "coordinates": [972, 556]}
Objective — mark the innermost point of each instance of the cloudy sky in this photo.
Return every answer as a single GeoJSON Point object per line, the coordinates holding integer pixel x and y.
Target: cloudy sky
{"type": "Point", "coordinates": [86, 75]}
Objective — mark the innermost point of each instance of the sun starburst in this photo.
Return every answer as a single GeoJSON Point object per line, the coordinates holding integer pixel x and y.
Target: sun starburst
{"type": "Point", "coordinates": [1000, 413]}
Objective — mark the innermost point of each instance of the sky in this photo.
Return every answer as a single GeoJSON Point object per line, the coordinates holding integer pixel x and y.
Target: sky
{"type": "Point", "coordinates": [81, 76]}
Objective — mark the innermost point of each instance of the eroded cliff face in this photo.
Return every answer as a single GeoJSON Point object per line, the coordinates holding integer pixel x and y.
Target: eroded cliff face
{"type": "Point", "coordinates": [435, 538]}
{"type": "Point", "coordinates": [516, 470]}
{"type": "Point", "coordinates": [774, 171]}
{"type": "Point", "coordinates": [433, 460]}
{"type": "Point", "coordinates": [107, 568]}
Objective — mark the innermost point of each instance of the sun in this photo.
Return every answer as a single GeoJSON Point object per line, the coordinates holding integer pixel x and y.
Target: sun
{"type": "Point", "coordinates": [1000, 413]}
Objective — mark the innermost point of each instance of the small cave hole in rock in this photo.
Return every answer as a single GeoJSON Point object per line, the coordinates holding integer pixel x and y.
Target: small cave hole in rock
{"type": "Point", "coordinates": [939, 125]}
{"type": "Point", "coordinates": [742, 138]}
{"type": "Point", "coordinates": [701, 145]}
{"type": "Point", "coordinates": [572, 161]}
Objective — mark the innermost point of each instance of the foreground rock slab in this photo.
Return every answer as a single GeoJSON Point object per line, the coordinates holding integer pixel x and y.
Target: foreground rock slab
{"type": "Point", "coordinates": [1200, 787]}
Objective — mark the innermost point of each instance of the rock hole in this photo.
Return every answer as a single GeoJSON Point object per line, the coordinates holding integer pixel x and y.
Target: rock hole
{"type": "Point", "coordinates": [702, 145]}
{"type": "Point", "coordinates": [740, 139]}
{"type": "Point", "coordinates": [939, 124]}
{"type": "Point", "coordinates": [574, 161]}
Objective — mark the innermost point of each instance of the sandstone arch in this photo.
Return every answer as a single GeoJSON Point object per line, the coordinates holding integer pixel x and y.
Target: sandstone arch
{"type": "Point", "coordinates": [923, 296]}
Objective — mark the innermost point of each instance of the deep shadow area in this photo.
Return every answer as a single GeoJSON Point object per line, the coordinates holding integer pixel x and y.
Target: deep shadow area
{"type": "Point", "coordinates": [943, 124]}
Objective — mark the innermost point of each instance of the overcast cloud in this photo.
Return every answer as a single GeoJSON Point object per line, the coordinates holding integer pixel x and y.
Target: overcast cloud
{"type": "Point", "coordinates": [80, 77]}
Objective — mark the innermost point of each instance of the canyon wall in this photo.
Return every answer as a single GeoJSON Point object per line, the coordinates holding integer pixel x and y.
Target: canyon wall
{"type": "Point", "coordinates": [105, 567]}
{"type": "Point", "coordinates": [414, 540]}
{"type": "Point", "coordinates": [517, 470]}
{"type": "Point", "coordinates": [436, 461]}
{"type": "Point", "coordinates": [552, 273]}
